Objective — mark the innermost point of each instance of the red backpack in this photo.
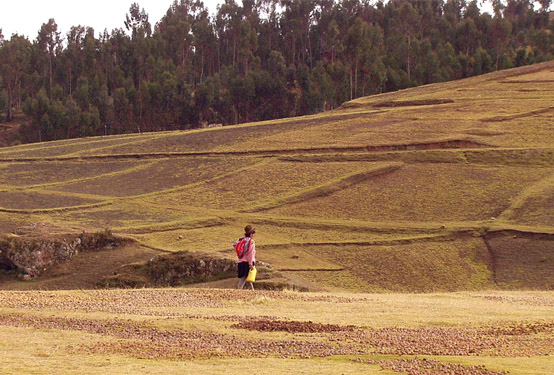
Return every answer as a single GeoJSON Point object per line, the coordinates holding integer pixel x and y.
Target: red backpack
{"type": "Point", "coordinates": [241, 246]}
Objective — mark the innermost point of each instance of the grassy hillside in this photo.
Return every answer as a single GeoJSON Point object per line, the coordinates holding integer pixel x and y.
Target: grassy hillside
{"type": "Point", "coordinates": [438, 188]}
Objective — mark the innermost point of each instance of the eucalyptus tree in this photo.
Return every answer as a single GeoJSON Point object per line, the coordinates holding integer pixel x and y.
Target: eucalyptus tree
{"type": "Point", "coordinates": [50, 42]}
{"type": "Point", "coordinates": [15, 57]}
{"type": "Point", "coordinates": [73, 55]}
{"type": "Point", "coordinates": [406, 23]}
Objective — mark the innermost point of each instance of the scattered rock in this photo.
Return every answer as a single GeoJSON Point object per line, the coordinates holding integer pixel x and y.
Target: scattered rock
{"type": "Point", "coordinates": [265, 325]}
{"type": "Point", "coordinates": [416, 366]}
{"type": "Point", "coordinates": [295, 256]}
{"type": "Point", "coordinates": [141, 341]}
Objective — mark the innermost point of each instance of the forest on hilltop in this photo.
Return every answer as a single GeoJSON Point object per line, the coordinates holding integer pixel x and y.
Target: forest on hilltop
{"type": "Point", "coordinates": [259, 60]}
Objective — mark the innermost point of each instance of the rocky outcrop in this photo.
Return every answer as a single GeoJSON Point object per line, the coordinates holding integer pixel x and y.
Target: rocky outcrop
{"type": "Point", "coordinates": [32, 255]}
{"type": "Point", "coordinates": [172, 270]}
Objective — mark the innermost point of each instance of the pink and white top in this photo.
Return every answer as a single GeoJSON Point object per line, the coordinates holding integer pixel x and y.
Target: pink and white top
{"type": "Point", "coordinates": [250, 253]}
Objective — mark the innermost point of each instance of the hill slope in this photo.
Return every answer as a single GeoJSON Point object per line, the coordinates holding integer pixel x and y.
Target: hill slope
{"type": "Point", "coordinates": [440, 187]}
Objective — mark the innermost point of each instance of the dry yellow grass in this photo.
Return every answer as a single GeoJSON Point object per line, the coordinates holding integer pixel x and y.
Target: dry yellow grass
{"type": "Point", "coordinates": [474, 154]}
{"type": "Point", "coordinates": [419, 192]}
{"type": "Point", "coordinates": [72, 348]}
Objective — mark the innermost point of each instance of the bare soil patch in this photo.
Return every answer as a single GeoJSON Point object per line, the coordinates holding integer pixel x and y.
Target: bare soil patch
{"type": "Point", "coordinates": [265, 325]}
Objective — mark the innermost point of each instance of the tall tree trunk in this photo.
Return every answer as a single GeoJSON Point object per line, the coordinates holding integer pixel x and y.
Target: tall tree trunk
{"type": "Point", "coordinates": [10, 100]}
{"type": "Point", "coordinates": [293, 49]}
{"type": "Point", "coordinates": [408, 59]}
{"type": "Point", "coordinates": [351, 83]}
{"type": "Point", "coordinates": [356, 79]}
{"type": "Point", "coordinates": [70, 86]}
{"type": "Point", "coordinates": [218, 56]}
{"type": "Point", "coordinates": [310, 51]}
{"type": "Point", "coordinates": [499, 50]}
{"type": "Point", "coordinates": [234, 49]}
{"type": "Point", "coordinates": [202, 66]}
{"type": "Point", "coordinates": [51, 88]}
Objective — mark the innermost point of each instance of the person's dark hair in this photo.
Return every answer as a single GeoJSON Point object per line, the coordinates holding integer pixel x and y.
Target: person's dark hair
{"type": "Point", "coordinates": [248, 230]}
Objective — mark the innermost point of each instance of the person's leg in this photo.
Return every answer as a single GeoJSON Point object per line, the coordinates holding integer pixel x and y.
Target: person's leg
{"type": "Point", "coordinates": [242, 281]}
{"type": "Point", "coordinates": [251, 286]}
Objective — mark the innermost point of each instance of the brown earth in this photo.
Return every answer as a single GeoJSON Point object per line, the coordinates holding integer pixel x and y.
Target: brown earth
{"type": "Point", "coordinates": [265, 325]}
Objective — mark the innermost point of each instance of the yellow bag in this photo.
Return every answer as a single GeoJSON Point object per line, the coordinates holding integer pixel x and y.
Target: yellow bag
{"type": "Point", "coordinates": [252, 275]}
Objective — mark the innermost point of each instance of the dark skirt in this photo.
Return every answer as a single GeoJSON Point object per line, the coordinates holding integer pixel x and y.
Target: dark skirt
{"type": "Point", "coordinates": [243, 269]}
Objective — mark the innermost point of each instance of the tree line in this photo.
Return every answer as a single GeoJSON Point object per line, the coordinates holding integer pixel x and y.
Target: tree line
{"type": "Point", "coordinates": [255, 60]}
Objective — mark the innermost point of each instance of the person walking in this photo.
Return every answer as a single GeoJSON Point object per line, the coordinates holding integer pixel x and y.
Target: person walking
{"type": "Point", "coordinates": [247, 260]}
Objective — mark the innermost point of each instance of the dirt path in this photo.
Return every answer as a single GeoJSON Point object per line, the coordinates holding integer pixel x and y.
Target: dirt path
{"type": "Point", "coordinates": [83, 271]}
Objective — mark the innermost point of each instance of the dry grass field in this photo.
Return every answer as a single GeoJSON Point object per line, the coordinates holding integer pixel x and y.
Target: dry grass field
{"type": "Point", "coordinates": [228, 332]}
{"type": "Point", "coordinates": [470, 156]}
{"type": "Point", "coordinates": [445, 189]}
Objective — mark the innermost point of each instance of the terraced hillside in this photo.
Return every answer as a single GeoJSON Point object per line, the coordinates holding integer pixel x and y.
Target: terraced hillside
{"type": "Point", "coordinates": [438, 188]}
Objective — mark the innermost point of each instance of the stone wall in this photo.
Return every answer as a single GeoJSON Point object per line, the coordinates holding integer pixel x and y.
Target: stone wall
{"type": "Point", "coordinates": [32, 256]}
{"type": "Point", "coordinates": [172, 270]}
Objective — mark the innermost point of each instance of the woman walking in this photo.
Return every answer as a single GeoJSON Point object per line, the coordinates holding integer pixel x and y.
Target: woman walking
{"type": "Point", "coordinates": [247, 258]}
